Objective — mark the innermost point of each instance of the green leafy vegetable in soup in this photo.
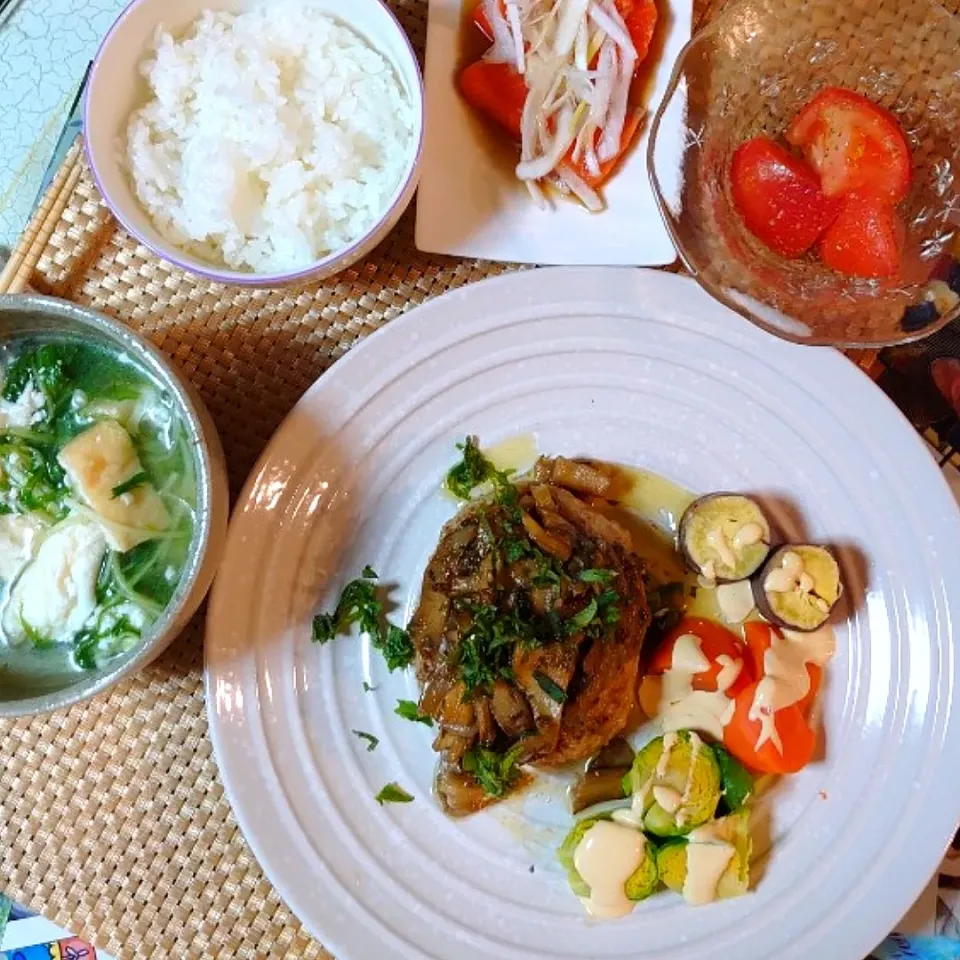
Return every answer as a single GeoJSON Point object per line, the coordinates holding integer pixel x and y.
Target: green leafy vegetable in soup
{"type": "Point", "coordinates": [98, 497]}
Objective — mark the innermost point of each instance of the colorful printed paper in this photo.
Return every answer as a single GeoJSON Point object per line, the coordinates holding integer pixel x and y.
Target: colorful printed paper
{"type": "Point", "coordinates": [72, 949]}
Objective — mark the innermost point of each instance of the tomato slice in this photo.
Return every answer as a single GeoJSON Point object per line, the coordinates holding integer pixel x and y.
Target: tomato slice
{"type": "Point", "coordinates": [715, 641]}
{"type": "Point", "coordinates": [482, 22]}
{"type": "Point", "coordinates": [779, 197]}
{"type": "Point", "coordinates": [865, 240]}
{"type": "Point", "coordinates": [641, 17]}
{"type": "Point", "coordinates": [741, 734]}
{"type": "Point", "coordinates": [631, 128]}
{"type": "Point", "coordinates": [758, 636]}
{"type": "Point", "coordinates": [854, 145]}
{"type": "Point", "coordinates": [497, 90]}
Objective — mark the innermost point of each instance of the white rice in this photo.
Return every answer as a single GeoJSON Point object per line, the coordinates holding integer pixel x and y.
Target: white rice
{"type": "Point", "coordinates": [273, 138]}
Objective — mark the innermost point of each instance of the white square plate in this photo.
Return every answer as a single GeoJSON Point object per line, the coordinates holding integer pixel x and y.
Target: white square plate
{"type": "Point", "coordinates": [471, 205]}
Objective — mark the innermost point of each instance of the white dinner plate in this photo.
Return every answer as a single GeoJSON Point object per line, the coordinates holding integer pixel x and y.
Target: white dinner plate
{"type": "Point", "coordinates": [471, 204]}
{"type": "Point", "coordinates": [644, 369]}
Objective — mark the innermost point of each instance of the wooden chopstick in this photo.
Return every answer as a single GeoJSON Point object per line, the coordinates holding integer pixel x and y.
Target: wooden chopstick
{"type": "Point", "coordinates": [16, 274]}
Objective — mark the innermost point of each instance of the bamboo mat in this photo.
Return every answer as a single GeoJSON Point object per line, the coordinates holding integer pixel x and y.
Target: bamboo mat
{"type": "Point", "coordinates": [113, 821]}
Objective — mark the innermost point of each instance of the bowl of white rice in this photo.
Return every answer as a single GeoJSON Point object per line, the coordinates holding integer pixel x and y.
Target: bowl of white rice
{"type": "Point", "coordinates": [256, 142]}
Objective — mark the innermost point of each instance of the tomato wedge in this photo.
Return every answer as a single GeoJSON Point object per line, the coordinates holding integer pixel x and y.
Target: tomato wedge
{"type": "Point", "coordinates": [715, 641]}
{"type": "Point", "coordinates": [854, 145]}
{"type": "Point", "coordinates": [641, 17]}
{"type": "Point", "coordinates": [631, 128]}
{"type": "Point", "coordinates": [758, 636]}
{"type": "Point", "coordinates": [481, 21]}
{"type": "Point", "coordinates": [779, 197]}
{"type": "Point", "coordinates": [741, 734]}
{"type": "Point", "coordinates": [497, 90]}
{"type": "Point", "coordinates": [865, 240]}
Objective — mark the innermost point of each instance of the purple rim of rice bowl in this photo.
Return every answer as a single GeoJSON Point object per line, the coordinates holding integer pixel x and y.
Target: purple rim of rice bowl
{"type": "Point", "coordinates": [254, 279]}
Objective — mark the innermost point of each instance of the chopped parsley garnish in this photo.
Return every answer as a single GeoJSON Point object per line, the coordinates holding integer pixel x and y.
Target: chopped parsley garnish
{"type": "Point", "coordinates": [583, 619]}
{"type": "Point", "coordinates": [359, 605]}
{"type": "Point", "coordinates": [486, 646]}
{"type": "Point", "coordinates": [474, 470]}
{"type": "Point", "coordinates": [596, 576]}
{"type": "Point", "coordinates": [396, 647]}
{"type": "Point", "coordinates": [552, 689]}
{"type": "Point", "coordinates": [515, 548]}
{"type": "Point", "coordinates": [49, 368]}
{"type": "Point", "coordinates": [495, 772]}
{"type": "Point", "coordinates": [409, 711]}
{"type": "Point", "coordinates": [372, 741]}
{"type": "Point", "coordinates": [392, 793]}
{"type": "Point", "coordinates": [137, 480]}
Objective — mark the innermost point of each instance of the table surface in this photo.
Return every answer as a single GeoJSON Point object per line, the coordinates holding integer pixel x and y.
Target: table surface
{"type": "Point", "coordinates": [63, 856]}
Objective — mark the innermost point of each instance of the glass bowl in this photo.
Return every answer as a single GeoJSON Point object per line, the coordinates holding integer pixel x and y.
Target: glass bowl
{"type": "Point", "coordinates": [749, 72]}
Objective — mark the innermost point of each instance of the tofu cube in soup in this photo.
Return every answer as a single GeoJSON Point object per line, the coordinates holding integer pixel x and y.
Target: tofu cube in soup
{"type": "Point", "coordinates": [102, 460]}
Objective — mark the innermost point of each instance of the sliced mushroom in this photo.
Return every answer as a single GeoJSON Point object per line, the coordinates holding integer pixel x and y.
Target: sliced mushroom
{"type": "Point", "coordinates": [511, 710]}
{"type": "Point", "coordinates": [592, 523]}
{"type": "Point", "coordinates": [542, 496]}
{"type": "Point", "coordinates": [486, 728]}
{"type": "Point", "coordinates": [452, 745]}
{"type": "Point", "coordinates": [617, 753]}
{"type": "Point", "coordinates": [553, 522]}
{"type": "Point", "coordinates": [581, 477]}
{"type": "Point", "coordinates": [478, 582]}
{"type": "Point", "coordinates": [459, 793]}
{"type": "Point", "coordinates": [597, 786]}
{"type": "Point", "coordinates": [458, 714]}
{"type": "Point", "coordinates": [546, 541]}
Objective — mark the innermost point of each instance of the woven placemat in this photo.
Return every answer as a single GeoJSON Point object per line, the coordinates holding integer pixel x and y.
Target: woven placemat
{"type": "Point", "coordinates": [113, 821]}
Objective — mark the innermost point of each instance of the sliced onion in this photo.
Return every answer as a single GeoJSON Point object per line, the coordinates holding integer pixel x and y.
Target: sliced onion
{"type": "Point", "coordinates": [536, 192]}
{"type": "Point", "coordinates": [540, 83]}
{"type": "Point", "coordinates": [580, 188]}
{"type": "Point", "coordinates": [591, 159]}
{"type": "Point", "coordinates": [516, 28]}
{"type": "Point", "coordinates": [566, 131]}
{"type": "Point", "coordinates": [619, 101]}
{"type": "Point", "coordinates": [582, 44]}
{"type": "Point", "coordinates": [603, 88]}
{"type": "Point", "coordinates": [607, 21]}
{"type": "Point", "coordinates": [571, 15]}
{"type": "Point", "coordinates": [503, 50]}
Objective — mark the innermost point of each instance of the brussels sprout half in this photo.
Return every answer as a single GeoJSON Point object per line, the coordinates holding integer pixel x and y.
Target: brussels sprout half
{"type": "Point", "coordinates": [689, 777]}
{"type": "Point", "coordinates": [672, 856]}
{"type": "Point", "coordinates": [640, 884]}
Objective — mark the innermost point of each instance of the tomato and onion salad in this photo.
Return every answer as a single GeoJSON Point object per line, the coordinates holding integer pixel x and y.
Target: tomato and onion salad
{"type": "Point", "coordinates": [559, 77]}
{"type": "Point", "coordinates": [840, 197]}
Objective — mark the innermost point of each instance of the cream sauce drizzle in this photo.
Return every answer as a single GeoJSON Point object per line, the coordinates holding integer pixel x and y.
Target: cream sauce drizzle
{"type": "Point", "coordinates": [708, 857]}
{"type": "Point", "coordinates": [673, 701]}
{"type": "Point", "coordinates": [668, 798]}
{"type": "Point", "coordinates": [786, 680]}
{"type": "Point", "coordinates": [605, 858]}
{"type": "Point", "coordinates": [633, 816]}
{"type": "Point", "coordinates": [695, 744]}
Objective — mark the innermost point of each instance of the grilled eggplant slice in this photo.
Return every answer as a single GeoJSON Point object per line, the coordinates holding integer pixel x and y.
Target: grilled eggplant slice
{"type": "Point", "coordinates": [725, 536]}
{"type": "Point", "coordinates": [799, 587]}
